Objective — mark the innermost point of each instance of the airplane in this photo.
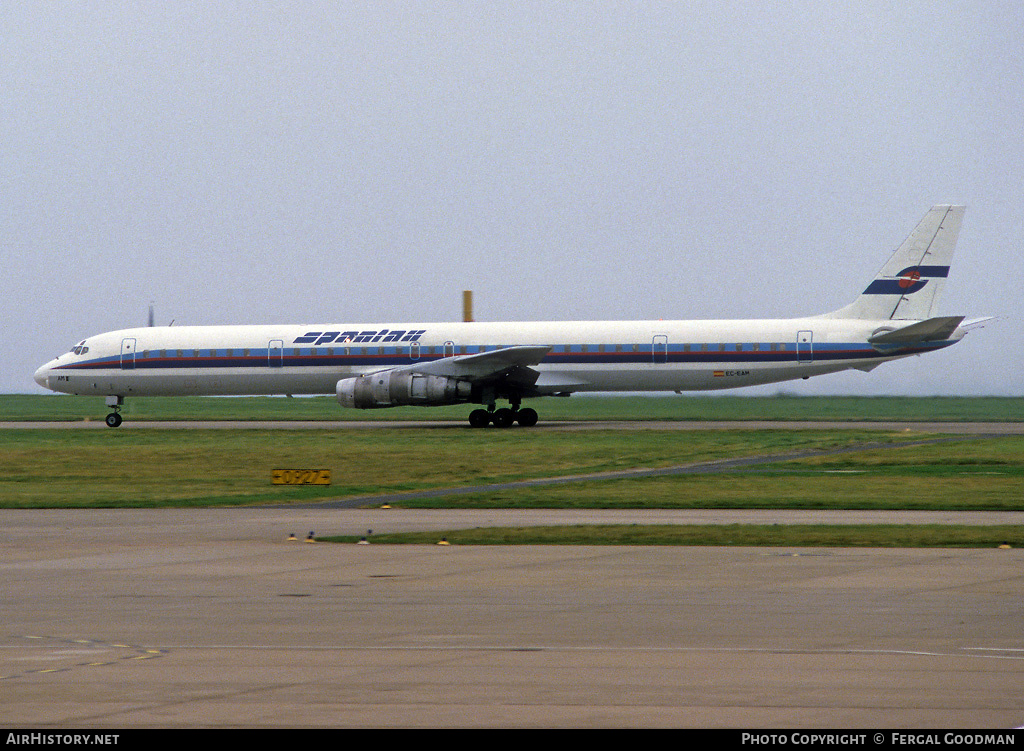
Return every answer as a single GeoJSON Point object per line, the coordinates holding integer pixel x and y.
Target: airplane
{"type": "Point", "coordinates": [379, 365]}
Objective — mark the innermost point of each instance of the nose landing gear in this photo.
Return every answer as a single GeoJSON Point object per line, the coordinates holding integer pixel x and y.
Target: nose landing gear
{"type": "Point", "coordinates": [113, 420]}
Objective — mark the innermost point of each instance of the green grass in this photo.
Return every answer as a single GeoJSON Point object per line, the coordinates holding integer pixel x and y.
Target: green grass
{"type": "Point", "coordinates": [20, 407]}
{"type": "Point", "coordinates": [118, 468]}
{"type": "Point", "coordinates": [115, 468]}
{"type": "Point", "coordinates": [980, 475]}
{"type": "Point", "coordinates": [775, 535]}
{"type": "Point", "coordinates": [60, 468]}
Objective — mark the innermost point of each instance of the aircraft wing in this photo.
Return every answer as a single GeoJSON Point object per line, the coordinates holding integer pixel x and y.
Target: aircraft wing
{"type": "Point", "coordinates": [482, 366]}
{"type": "Point", "coordinates": [510, 365]}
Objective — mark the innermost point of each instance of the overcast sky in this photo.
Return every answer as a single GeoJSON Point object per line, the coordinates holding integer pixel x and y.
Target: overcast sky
{"type": "Point", "coordinates": [244, 162]}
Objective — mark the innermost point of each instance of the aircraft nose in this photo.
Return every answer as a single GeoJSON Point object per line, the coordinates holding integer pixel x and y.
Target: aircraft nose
{"type": "Point", "coordinates": [41, 375]}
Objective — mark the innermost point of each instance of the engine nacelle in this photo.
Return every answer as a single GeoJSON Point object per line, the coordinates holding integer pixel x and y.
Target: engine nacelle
{"type": "Point", "coordinates": [391, 389]}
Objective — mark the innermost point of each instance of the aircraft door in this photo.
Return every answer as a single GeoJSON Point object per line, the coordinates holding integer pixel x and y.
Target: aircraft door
{"type": "Point", "coordinates": [659, 349]}
{"type": "Point", "coordinates": [804, 346]}
{"type": "Point", "coordinates": [127, 354]}
{"type": "Point", "coordinates": [275, 353]}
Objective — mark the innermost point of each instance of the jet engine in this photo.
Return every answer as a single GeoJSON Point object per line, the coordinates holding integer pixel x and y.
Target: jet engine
{"type": "Point", "coordinates": [392, 389]}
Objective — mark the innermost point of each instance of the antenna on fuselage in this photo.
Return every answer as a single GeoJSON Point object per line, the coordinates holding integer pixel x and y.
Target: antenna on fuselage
{"type": "Point", "coordinates": [151, 324]}
{"type": "Point", "coordinates": [467, 305]}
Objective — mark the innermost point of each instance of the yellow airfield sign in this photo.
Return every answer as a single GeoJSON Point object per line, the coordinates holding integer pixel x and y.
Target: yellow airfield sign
{"type": "Point", "coordinates": [300, 477]}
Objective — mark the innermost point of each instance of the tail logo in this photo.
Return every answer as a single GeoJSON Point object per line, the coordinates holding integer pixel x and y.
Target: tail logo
{"type": "Point", "coordinates": [911, 279]}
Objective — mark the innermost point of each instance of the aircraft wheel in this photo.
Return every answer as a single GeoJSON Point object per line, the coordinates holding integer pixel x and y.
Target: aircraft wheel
{"type": "Point", "coordinates": [113, 420]}
{"type": "Point", "coordinates": [479, 418]}
{"type": "Point", "coordinates": [527, 417]}
{"type": "Point", "coordinates": [503, 418]}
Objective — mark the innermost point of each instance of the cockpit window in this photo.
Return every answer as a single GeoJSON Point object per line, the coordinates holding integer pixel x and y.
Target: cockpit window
{"type": "Point", "coordinates": [80, 348]}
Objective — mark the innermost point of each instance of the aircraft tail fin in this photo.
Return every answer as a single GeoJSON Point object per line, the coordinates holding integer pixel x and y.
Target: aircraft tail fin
{"type": "Point", "coordinates": [909, 285]}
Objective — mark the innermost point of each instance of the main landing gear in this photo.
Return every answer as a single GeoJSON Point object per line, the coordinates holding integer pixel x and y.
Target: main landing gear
{"type": "Point", "coordinates": [503, 418]}
{"type": "Point", "coordinates": [113, 420]}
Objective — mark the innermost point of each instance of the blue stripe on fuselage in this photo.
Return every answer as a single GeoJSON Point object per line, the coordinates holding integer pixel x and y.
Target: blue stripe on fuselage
{"type": "Point", "coordinates": [560, 354]}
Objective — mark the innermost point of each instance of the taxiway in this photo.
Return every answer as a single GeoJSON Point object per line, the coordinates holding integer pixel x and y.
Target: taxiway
{"type": "Point", "coordinates": [212, 618]}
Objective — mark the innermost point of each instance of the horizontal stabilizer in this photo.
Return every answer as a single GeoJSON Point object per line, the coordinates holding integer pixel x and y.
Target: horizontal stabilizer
{"type": "Point", "coordinates": [976, 323]}
{"type": "Point", "coordinates": [932, 330]}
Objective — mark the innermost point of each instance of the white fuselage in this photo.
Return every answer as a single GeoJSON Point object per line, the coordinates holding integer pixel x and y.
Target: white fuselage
{"type": "Point", "coordinates": [584, 356]}
{"type": "Point", "coordinates": [370, 366]}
